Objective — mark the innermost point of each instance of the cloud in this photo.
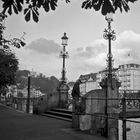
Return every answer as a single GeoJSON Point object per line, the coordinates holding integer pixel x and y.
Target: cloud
{"type": "Point", "coordinates": [40, 63]}
{"type": "Point", "coordinates": [125, 49]}
{"type": "Point", "coordinates": [44, 46]}
{"type": "Point", "coordinates": [93, 49]}
{"type": "Point", "coordinates": [89, 59]}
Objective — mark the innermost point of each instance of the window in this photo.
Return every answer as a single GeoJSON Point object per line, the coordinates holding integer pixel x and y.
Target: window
{"type": "Point", "coordinates": [128, 85]}
{"type": "Point", "coordinates": [131, 65]}
{"type": "Point", "coordinates": [128, 80]}
{"type": "Point", "coordinates": [137, 66]}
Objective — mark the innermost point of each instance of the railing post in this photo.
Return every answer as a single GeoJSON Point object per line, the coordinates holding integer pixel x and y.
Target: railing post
{"type": "Point", "coordinates": [124, 135]}
{"type": "Point", "coordinates": [28, 96]}
{"type": "Point", "coordinates": [106, 114]}
{"type": "Point", "coordinates": [75, 115]}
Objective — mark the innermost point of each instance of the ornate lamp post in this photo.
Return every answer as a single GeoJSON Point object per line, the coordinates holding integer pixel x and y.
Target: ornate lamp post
{"type": "Point", "coordinates": [64, 55]}
{"type": "Point", "coordinates": [63, 87]}
{"type": "Point", "coordinates": [110, 86]}
{"type": "Point", "coordinates": [109, 35]}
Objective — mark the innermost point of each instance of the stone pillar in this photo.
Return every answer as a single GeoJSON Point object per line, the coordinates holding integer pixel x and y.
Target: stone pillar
{"type": "Point", "coordinates": [63, 95]}
{"type": "Point", "coordinates": [90, 117]}
{"type": "Point", "coordinates": [78, 110]}
{"type": "Point", "coordinates": [75, 116]}
{"type": "Point", "coordinates": [111, 89]}
{"type": "Point", "coordinates": [91, 110]}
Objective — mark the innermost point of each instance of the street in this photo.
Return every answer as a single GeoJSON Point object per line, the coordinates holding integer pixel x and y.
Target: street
{"type": "Point", "coordinates": [15, 125]}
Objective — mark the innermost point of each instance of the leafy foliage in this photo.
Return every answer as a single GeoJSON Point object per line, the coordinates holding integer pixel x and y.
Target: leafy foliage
{"type": "Point", "coordinates": [3, 90]}
{"type": "Point", "coordinates": [16, 5]}
{"type": "Point", "coordinates": [33, 6]}
{"type": "Point", "coordinates": [8, 68]}
{"type": "Point", "coordinates": [107, 6]}
{"type": "Point", "coordinates": [19, 94]}
{"type": "Point", "coordinates": [16, 42]}
{"type": "Point", "coordinates": [40, 82]}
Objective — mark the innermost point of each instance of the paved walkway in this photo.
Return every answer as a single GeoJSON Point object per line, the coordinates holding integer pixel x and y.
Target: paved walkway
{"type": "Point", "coordinates": [16, 125]}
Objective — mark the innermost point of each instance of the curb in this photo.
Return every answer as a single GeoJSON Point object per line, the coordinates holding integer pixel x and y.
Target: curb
{"type": "Point", "coordinates": [11, 108]}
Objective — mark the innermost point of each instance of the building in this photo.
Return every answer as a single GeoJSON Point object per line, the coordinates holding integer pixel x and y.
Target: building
{"type": "Point", "coordinates": [70, 85]}
{"type": "Point", "coordinates": [89, 82]}
{"type": "Point", "coordinates": [127, 74]}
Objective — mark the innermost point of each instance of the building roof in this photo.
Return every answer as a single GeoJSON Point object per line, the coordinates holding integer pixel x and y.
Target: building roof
{"type": "Point", "coordinates": [106, 70]}
{"type": "Point", "coordinates": [86, 77]}
{"type": "Point", "coordinates": [130, 65]}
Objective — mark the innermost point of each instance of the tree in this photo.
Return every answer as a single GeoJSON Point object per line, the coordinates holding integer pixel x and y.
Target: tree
{"type": "Point", "coordinates": [8, 68]}
{"type": "Point", "coordinates": [19, 94]}
{"type": "Point", "coordinates": [107, 6]}
{"type": "Point", "coordinates": [3, 90]}
{"type": "Point", "coordinates": [31, 7]}
{"type": "Point", "coordinates": [5, 43]}
{"type": "Point", "coordinates": [8, 61]}
{"type": "Point", "coordinates": [40, 82]}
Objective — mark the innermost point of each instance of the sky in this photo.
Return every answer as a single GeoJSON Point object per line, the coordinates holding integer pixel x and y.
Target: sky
{"type": "Point", "coordinates": [86, 46]}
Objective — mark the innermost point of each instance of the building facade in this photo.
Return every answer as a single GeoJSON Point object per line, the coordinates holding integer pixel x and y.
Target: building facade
{"type": "Point", "coordinates": [89, 82]}
{"type": "Point", "coordinates": [127, 74]}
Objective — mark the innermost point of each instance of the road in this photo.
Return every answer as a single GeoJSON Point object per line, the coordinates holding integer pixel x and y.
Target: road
{"type": "Point", "coordinates": [15, 125]}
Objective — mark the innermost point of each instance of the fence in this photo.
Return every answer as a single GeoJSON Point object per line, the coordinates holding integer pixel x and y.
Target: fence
{"type": "Point", "coordinates": [122, 116]}
{"type": "Point", "coordinates": [19, 103]}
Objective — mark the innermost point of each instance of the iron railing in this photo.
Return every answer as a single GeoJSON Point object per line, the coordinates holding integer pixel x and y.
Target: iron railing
{"type": "Point", "coordinates": [122, 114]}
{"type": "Point", "coordinates": [19, 103]}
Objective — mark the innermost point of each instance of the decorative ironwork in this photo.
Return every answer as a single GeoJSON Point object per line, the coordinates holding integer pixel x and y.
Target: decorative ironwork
{"type": "Point", "coordinates": [109, 34]}
{"type": "Point", "coordinates": [132, 100]}
{"type": "Point", "coordinates": [64, 55]}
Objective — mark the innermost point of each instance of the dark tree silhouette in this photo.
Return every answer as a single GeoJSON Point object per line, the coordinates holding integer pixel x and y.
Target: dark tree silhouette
{"type": "Point", "coordinates": [107, 6]}
{"type": "Point", "coordinates": [5, 43]}
{"type": "Point", "coordinates": [8, 68]}
{"type": "Point", "coordinates": [44, 84]}
{"type": "Point", "coordinates": [31, 7]}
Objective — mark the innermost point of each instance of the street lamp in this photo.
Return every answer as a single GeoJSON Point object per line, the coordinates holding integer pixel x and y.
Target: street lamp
{"type": "Point", "coordinates": [28, 94]}
{"type": "Point", "coordinates": [64, 40]}
{"type": "Point", "coordinates": [63, 87]}
{"type": "Point", "coordinates": [109, 35]}
{"type": "Point", "coordinates": [64, 55]}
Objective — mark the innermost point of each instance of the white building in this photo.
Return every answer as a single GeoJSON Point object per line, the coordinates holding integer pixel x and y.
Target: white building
{"type": "Point", "coordinates": [89, 82]}
{"type": "Point", "coordinates": [127, 74]}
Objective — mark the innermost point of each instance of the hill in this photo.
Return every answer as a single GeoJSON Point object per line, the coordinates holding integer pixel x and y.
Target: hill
{"type": "Point", "coordinates": [40, 82]}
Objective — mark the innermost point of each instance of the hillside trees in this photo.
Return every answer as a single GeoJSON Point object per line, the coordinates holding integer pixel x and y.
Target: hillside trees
{"type": "Point", "coordinates": [8, 60]}
{"type": "Point", "coordinates": [31, 7]}
{"type": "Point", "coordinates": [39, 82]}
{"type": "Point", "coordinates": [8, 68]}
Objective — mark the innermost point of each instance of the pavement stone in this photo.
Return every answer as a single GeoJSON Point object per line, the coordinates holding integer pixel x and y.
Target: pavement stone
{"type": "Point", "coordinates": [16, 125]}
